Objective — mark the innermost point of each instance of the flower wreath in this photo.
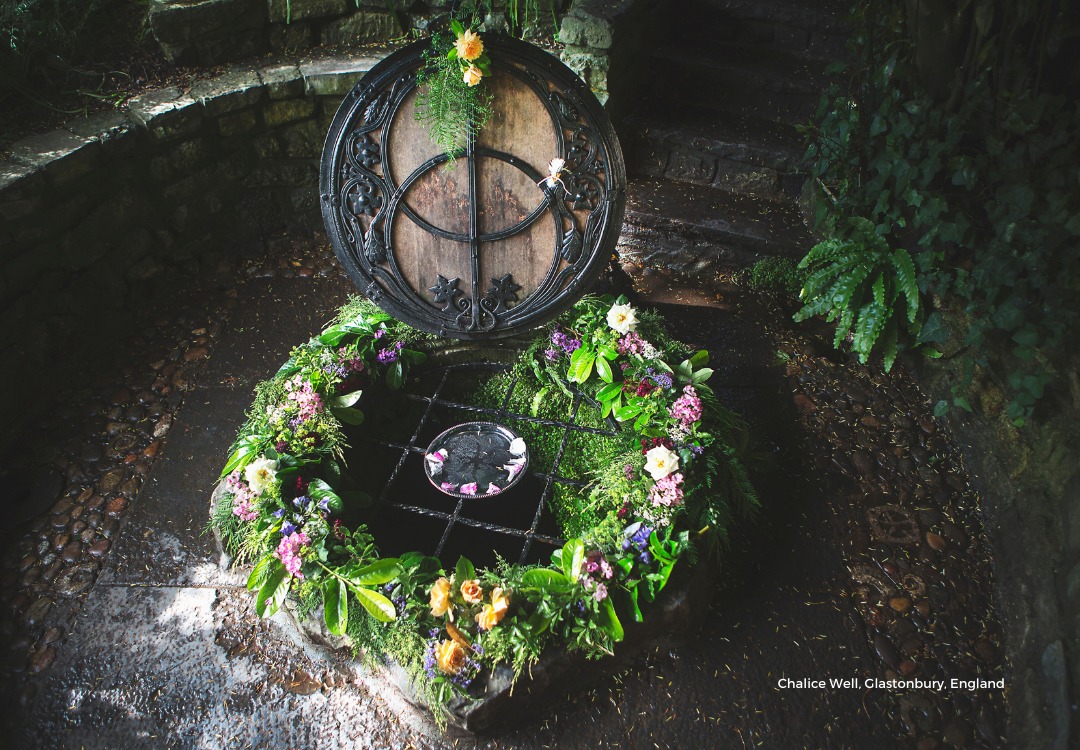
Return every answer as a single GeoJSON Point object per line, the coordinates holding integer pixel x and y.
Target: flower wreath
{"type": "Point", "coordinates": [666, 498]}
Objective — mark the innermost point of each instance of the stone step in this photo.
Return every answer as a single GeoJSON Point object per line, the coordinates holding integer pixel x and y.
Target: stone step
{"type": "Point", "coordinates": [812, 28]}
{"type": "Point", "coordinates": [737, 152]}
{"type": "Point", "coordinates": [698, 231]}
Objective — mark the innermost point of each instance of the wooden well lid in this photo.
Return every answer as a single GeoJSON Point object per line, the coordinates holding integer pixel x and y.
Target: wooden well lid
{"type": "Point", "coordinates": [476, 249]}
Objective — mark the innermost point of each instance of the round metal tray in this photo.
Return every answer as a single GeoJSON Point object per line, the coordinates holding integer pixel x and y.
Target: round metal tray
{"type": "Point", "coordinates": [476, 460]}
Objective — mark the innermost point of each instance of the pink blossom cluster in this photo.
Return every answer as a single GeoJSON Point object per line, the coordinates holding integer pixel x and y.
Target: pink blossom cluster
{"type": "Point", "coordinates": [308, 402]}
{"type": "Point", "coordinates": [597, 569]}
{"type": "Point", "coordinates": [631, 343]}
{"type": "Point", "coordinates": [288, 551]}
{"type": "Point", "coordinates": [243, 497]}
{"type": "Point", "coordinates": [667, 491]}
{"type": "Point", "coordinates": [687, 407]}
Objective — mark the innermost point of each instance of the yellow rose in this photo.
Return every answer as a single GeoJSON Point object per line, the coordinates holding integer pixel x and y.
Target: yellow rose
{"type": "Point", "coordinates": [450, 656]}
{"type": "Point", "coordinates": [469, 46]}
{"type": "Point", "coordinates": [472, 592]}
{"type": "Point", "coordinates": [487, 618]}
{"type": "Point", "coordinates": [499, 601]}
{"type": "Point", "coordinates": [472, 75]}
{"type": "Point", "coordinates": [440, 597]}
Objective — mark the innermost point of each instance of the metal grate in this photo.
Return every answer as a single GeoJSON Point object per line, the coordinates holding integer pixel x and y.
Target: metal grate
{"type": "Point", "coordinates": [520, 514]}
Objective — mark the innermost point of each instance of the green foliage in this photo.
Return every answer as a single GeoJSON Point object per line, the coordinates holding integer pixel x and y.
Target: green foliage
{"type": "Point", "coordinates": [866, 287]}
{"type": "Point", "coordinates": [774, 274]}
{"type": "Point", "coordinates": [33, 29]}
{"type": "Point", "coordinates": [448, 107]}
{"type": "Point", "coordinates": [970, 163]}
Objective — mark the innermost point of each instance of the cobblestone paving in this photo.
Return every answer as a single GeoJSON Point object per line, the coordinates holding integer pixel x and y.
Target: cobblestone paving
{"type": "Point", "coordinates": [868, 559]}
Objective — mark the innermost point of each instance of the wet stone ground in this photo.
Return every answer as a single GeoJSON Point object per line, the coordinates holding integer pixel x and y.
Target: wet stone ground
{"type": "Point", "coordinates": [868, 559]}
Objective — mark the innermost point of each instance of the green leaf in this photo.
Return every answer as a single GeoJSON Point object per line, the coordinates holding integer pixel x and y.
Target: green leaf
{"type": "Point", "coordinates": [347, 414]}
{"type": "Point", "coordinates": [456, 26]}
{"type": "Point", "coordinates": [907, 281]}
{"type": "Point", "coordinates": [452, 54]}
{"type": "Point", "coordinates": [963, 403]}
{"type": "Point", "coordinates": [603, 369]}
{"type": "Point", "coordinates": [464, 571]}
{"type": "Point", "coordinates": [609, 621]}
{"type": "Point", "coordinates": [318, 489]}
{"type": "Point", "coordinates": [335, 606]}
{"type": "Point", "coordinates": [700, 376]}
{"type": "Point", "coordinates": [261, 572]}
{"type": "Point", "coordinates": [273, 591]}
{"type": "Point", "coordinates": [545, 579]}
{"type": "Point", "coordinates": [377, 605]}
{"type": "Point", "coordinates": [573, 557]}
{"type": "Point", "coordinates": [608, 392]}
{"type": "Point", "coordinates": [700, 358]}
{"type": "Point", "coordinates": [395, 376]}
{"type": "Point", "coordinates": [381, 571]}
{"type": "Point", "coordinates": [347, 400]}
{"type": "Point", "coordinates": [629, 411]}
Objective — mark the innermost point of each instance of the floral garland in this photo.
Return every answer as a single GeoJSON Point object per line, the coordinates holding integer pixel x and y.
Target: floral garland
{"type": "Point", "coordinates": [285, 489]}
{"type": "Point", "coordinates": [452, 101]}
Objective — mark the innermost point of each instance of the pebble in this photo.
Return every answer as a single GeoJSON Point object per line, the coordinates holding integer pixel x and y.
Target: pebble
{"type": "Point", "coordinates": [804, 404]}
{"type": "Point", "coordinates": [162, 426]}
{"type": "Point", "coordinates": [111, 481]}
{"type": "Point", "coordinates": [870, 421]}
{"type": "Point", "coordinates": [863, 463]}
{"type": "Point", "coordinates": [927, 425]}
{"type": "Point", "coordinates": [936, 541]}
{"type": "Point", "coordinates": [953, 533]}
{"type": "Point", "coordinates": [196, 353]}
{"type": "Point", "coordinates": [927, 743]}
{"type": "Point", "coordinates": [37, 611]}
{"type": "Point", "coordinates": [900, 603]}
{"type": "Point", "coordinates": [53, 634]}
{"type": "Point", "coordinates": [98, 549]}
{"type": "Point", "coordinates": [911, 647]}
{"type": "Point", "coordinates": [72, 552]}
{"type": "Point", "coordinates": [60, 541]}
{"type": "Point", "coordinates": [986, 651]}
{"type": "Point", "coordinates": [907, 668]}
{"type": "Point", "coordinates": [120, 396]}
{"type": "Point", "coordinates": [41, 660]}
{"type": "Point", "coordinates": [151, 450]}
{"type": "Point", "coordinates": [923, 608]}
{"type": "Point", "coordinates": [886, 651]}
{"type": "Point", "coordinates": [116, 506]}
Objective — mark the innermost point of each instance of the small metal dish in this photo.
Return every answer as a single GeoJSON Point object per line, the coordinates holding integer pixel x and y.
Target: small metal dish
{"type": "Point", "coordinates": [476, 460]}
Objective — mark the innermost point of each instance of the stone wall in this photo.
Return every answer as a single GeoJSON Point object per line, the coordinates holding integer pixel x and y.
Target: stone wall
{"type": "Point", "coordinates": [609, 43]}
{"type": "Point", "coordinates": [209, 32]}
{"type": "Point", "coordinates": [98, 215]}
{"type": "Point", "coordinates": [1029, 479]}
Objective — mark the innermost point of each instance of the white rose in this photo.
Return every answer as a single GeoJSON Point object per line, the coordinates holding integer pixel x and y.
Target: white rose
{"type": "Point", "coordinates": [260, 473]}
{"type": "Point", "coordinates": [622, 318]}
{"type": "Point", "coordinates": [660, 462]}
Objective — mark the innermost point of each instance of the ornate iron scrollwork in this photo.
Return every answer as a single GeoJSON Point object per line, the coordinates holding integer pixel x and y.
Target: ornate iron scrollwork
{"type": "Point", "coordinates": [362, 200]}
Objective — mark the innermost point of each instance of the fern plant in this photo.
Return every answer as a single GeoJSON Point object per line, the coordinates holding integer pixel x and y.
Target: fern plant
{"type": "Point", "coordinates": [447, 105]}
{"type": "Point", "coordinates": [866, 287]}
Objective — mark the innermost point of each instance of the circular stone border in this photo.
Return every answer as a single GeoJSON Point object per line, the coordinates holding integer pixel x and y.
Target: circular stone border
{"type": "Point", "coordinates": [568, 584]}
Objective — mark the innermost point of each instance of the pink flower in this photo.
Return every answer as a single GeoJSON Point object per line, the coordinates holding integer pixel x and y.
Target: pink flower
{"type": "Point", "coordinates": [243, 497]}
{"type": "Point", "coordinates": [667, 491]}
{"type": "Point", "coordinates": [687, 407]}
{"type": "Point", "coordinates": [448, 487]}
{"type": "Point", "coordinates": [600, 592]}
{"type": "Point", "coordinates": [468, 489]}
{"type": "Point", "coordinates": [288, 551]}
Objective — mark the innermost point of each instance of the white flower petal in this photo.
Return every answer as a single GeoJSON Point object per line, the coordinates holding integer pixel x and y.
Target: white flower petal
{"type": "Point", "coordinates": [517, 447]}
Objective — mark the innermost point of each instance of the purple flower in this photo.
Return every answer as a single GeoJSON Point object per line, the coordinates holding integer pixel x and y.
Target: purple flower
{"type": "Point", "coordinates": [287, 528]}
{"type": "Point", "coordinates": [600, 593]}
{"type": "Point", "coordinates": [390, 354]}
{"type": "Point", "coordinates": [551, 355]}
{"type": "Point", "coordinates": [380, 332]}
{"type": "Point", "coordinates": [662, 379]}
{"type": "Point", "coordinates": [278, 513]}
{"type": "Point", "coordinates": [324, 505]}
{"type": "Point", "coordinates": [302, 502]}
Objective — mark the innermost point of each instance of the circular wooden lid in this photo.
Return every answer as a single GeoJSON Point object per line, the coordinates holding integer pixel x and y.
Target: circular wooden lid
{"type": "Point", "coordinates": [482, 247]}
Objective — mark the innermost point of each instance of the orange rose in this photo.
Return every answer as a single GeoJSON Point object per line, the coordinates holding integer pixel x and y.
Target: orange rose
{"type": "Point", "coordinates": [440, 597]}
{"type": "Point", "coordinates": [450, 656]}
{"type": "Point", "coordinates": [469, 46]}
{"type": "Point", "coordinates": [487, 618]}
{"type": "Point", "coordinates": [499, 601]}
{"type": "Point", "coordinates": [472, 592]}
{"type": "Point", "coordinates": [472, 75]}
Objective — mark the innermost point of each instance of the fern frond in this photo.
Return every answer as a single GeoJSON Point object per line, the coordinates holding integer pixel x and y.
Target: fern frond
{"type": "Point", "coordinates": [905, 275]}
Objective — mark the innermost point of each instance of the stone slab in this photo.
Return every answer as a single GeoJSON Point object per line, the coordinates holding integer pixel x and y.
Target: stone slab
{"type": "Point", "coordinates": [62, 155]}
{"type": "Point", "coordinates": [290, 11]}
{"type": "Point", "coordinates": [234, 90]}
{"type": "Point", "coordinates": [282, 81]}
{"type": "Point", "coordinates": [335, 76]}
{"type": "Point", "coordinates": [362, 27]}
{"type": "Point", "coordinates": [165, 112]}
